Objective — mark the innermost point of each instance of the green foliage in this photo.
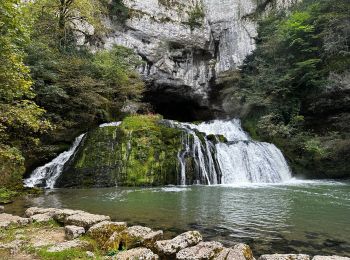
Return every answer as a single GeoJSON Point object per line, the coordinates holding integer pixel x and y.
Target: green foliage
{"type": "Point", "coordinates": [298, 53]}
{"type": "Point", "coordinates": [21, 120]}
{"type": "Point", "coordinates": [119, 10]}
{"type": "Point", "coordinates": [196, 17]}
{"type": "Point", "coordinates": [6, 195]}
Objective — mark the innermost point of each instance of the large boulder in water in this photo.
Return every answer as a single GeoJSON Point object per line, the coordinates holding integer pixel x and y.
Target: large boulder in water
{"type": "Point", "coordinates": [238, 252]}
{"type": "Point", "coordinates": [142, 151]}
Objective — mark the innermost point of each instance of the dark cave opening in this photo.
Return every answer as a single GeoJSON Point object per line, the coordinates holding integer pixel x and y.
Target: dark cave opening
{"type": "Point", "coordinates": [178, 107]}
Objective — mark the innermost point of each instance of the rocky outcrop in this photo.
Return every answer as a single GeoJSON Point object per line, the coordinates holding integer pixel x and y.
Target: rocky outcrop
{"type": "Point", "coordinates": [85, 220]}
{"type": "Point", "coordinates": [169, 248]}
{"type": "Point", "coordinates": [187, 45]}
{"type": "Point", "coordinates": [102, 231]}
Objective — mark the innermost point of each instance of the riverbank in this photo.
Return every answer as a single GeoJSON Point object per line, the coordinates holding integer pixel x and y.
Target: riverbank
{"type": "Point", "coordinates": [50, 233]}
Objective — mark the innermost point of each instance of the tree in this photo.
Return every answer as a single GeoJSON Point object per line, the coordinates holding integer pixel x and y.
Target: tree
{"type": "Point", "coordinates": [21, 120]}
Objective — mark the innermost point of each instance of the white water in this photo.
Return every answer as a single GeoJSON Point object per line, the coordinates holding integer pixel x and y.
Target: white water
{"type": "Point", "coordinates": [239, 160]}
{"type": "Point", "coordinates": [48, 174]}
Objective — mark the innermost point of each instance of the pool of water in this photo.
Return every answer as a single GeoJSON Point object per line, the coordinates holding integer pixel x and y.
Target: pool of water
{"type": "Point", "coordinates": [301, 216]}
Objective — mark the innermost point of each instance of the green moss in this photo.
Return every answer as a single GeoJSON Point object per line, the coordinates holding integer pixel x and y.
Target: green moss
{"type": "Point", "coordinates": [196, 17]}
{"type": "Point", "coordinates": [140, 152]}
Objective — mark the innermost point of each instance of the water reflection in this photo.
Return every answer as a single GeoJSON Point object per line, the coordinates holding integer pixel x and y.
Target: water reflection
{"type": "Point", "coordinates": [311, 217]}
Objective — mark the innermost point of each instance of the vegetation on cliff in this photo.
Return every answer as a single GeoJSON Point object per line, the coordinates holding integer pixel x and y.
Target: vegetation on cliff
{"type": "Point", "coordinates": [51, 89]}
{"type": "Point", "coordinates": [294, 89]}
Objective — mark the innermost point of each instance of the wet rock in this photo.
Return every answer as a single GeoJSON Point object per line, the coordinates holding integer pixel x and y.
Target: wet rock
{"type": "Point", "coordinates": [140, 253]}
{"type": "Point", "coordinates": [8, 219]}
{"type": "Point", "coordinates": [171, 247]}
{"type": "Point", "coordinates": [85, 220]}
{"type": "Point", "coordinates": [42, 218]}
{"type": "Point", "coordinates": [135, 236]}
{"type": "Point", "coordinates": [35, 210]}
{"type": "Point", "coordinates": [102, 231]}
{"type": "Point", "coordinates": [238, 252]}
{"type": "Point", "coordinates": [73, 232]}
{"type": "Point", "coordinates": [204, 250]}
{"type": "Point", "coordinates": [2, 209]}
{"type": "Point", "coordinates": [333, 257]}
{"type": "Point", "coordinates": [285, 257]}
{"type": "Point", "coordinates": [68, 245]}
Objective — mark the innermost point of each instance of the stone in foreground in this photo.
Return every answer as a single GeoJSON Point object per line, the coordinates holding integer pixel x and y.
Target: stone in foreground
{"type": "Point", "coordinates": [171, 247]}
{"type": "Point", "coordinates": [285, 257]}
{"type": "Point", "coordinates": [41, 218]}
{"type": "Point", "coordinates": [73, 232]}
{"type": "Point", "coordinates": [102, 231]}
{"type": "Point", "coordinates": [68, 245]}
{"type": "Point", "coordinates": [85, 220]}
{"type": "Point", "coordinates": [35, 210]}
{"type": "Point", "coordinates": [204, 250]}
{"type": "Point", "coordinates": [135, 236]}
{"type": "Point", "coordinates": [61, 214]}
{"type": "Point", "coordinates": [140, 253]}
{"type": "Point", "coordinates": [238, 252]}
{"type": "Point", "coordinates": [333, 257]}
{"type": "Point", "coordinates": [8, 219]}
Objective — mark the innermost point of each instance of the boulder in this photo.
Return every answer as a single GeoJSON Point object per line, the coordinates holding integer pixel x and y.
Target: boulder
{"type": "Point", "coordinates": [2, 209]}
{"type": "Point", "coordinates": [204, 250]}
{"type": "Point", "coordinates": [61, 214]}
{"type": "Point", "coordinates": [41, 218]}
{"type": "Point", "coordinates": [85, 220]}
{"type": "Point", "coordinates": [285, 257]}
{"type": "Point", "coordinates": [238, 252]}
{"type": "Point", "coordinates": [139, 253]}
{"type": "Point", "coordinates": [73, 232]}
{"type": "Point", "coordinates": [134, 236]}
{"type": "Point", "coordinates": [102, 231]}
{"type": "Point", "coordinates": [8, 219]}
{"type": "Point", "coordinates": [35, 210]}
{"type": "Point", "coordinates": [333, 257]}
{"type": "Point", "coordinates": [68, 245]}
{"type": "Point", "coordinates": [171, 247]}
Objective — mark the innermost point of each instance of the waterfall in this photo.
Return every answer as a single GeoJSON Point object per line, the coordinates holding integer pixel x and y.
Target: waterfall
{"type": "Point", "coordinates": [48, 174]}
{"type": "Point", "coordinates": [239, 160]}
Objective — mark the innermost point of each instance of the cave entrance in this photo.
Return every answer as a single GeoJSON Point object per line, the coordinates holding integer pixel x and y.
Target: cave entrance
{"type": "Point", "coordinates": [178, 107]}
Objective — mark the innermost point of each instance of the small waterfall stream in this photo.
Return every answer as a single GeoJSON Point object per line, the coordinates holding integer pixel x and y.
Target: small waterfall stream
{"type": "Point", "coordinates": [217, 152]}
{"type": "Point", "coordinates": [46, 176]}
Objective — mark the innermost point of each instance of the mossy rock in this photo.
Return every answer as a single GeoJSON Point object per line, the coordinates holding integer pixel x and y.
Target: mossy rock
{"type": "Point", "coordinates": [140, 152]}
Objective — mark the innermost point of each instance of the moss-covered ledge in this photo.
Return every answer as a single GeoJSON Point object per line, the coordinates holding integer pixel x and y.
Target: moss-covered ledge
{"type": "Point", "coordinates": [140, 152]}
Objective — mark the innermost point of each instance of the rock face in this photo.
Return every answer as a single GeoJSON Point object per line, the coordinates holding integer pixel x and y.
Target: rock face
{"type": "Point", "coordinates": [188, 45]}
{"type": "Point", "coordinates": [285, 257]}
{"type": "Point", "coordinates": [169, 248]}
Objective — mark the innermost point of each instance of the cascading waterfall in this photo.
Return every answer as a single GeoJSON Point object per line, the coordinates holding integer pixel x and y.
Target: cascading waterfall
{"type": "Point", "coordinates": [47, 175]}
{"type": "Point", "coordinates": [216, 152]}
{"type": "Point", "coordinates": [239, 160]}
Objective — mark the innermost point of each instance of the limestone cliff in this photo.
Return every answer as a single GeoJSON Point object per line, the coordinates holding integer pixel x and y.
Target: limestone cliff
{"type": "Point", "coordinates": [187, 45]}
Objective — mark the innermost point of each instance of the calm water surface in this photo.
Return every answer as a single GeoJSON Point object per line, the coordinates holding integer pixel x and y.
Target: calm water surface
{"type": "Point", "coordinates": [302, 216]}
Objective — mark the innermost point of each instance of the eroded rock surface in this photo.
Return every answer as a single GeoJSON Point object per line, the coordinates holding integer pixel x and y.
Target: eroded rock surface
{"type": "Point", "coordinates": [285, 257]}
{"type": "Point", "coordinates": [85, 220]}
{"type": "Point", "coordinates": [238, 252]}
{"type": "Point", "coordinates": [204, 250]}
{"type": "Point", "coordinates": [7, 219]}
{"type": "Point", "coordinates": [68, 245]}
{"type": "Point", "coordinates": [73, 232]}
{"type": "Point", "coordinates": [102, 231]}
{"type": "Point", "coordinates": [171, 247]}
{"type": "Point", "coordinates": [140, 253]}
